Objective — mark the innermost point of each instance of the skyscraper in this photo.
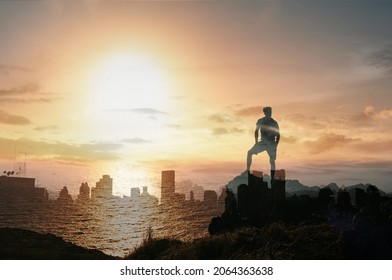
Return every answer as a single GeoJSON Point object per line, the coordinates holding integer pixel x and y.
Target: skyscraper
{"type": "Point", "coordinates": [135, 192]}
{"type": "Point", "coordinates": [103, 189]}
{"type": "Point", "coordinates": [84, 192]}
{"type": "Point", "coordinates": [167, 185]}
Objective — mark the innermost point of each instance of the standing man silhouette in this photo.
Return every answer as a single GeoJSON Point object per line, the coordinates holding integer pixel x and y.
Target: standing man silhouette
{"type": "Point", "coordinates": [270, 136]}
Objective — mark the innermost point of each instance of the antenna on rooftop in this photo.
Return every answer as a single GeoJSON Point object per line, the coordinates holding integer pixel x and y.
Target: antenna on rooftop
{"type": "Point", "coordinates": [20, 167]}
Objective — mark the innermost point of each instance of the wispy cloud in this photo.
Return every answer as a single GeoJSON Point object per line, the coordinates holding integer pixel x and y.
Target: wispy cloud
{"type": "Point", "coordinates": [147, 111]}
{"type": "Point", "coordinates": [27, 93]}
{"type": "Point", "coordinates": [135, 140]}
{"type": "Point", "coordinates": [328, 142]}
{"type": "Point", "coordinates": [383, 59]}
{"type": "Point", "coordinates": [223, 131]}
{"type": "Point", "coordinates": [237, 130]}
{"type": "Point", "coordinates": [45, 128]}
{"type": "Point", "coordinates": [310, 122]}
{"type": "Point", "coordinates": [220, 118]}
{"type": "Point", "coordinates": [7, 69]}
{"type": "Point", "coordinates": [174, 126]}
{"type": "Point", "coordinates": [28, 88]}
{"type": "Point", "coordinates": [371, 113]}
{"type": "Point", "coordinates": [10, 119]}
{"type": "Point", "coordinates": [66, 152]}
{"type": "Point", "coordinates": [375, 147]}
{"type": "Point", "coordinates": [249, 111]}
{"type": "Point", "coordinates": [220, 131]}
{"type": "Point", "coordinates": [289, 139]}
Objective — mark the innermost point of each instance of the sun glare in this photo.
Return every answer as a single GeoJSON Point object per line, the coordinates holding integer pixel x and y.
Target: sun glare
{"type": "Point", "coordinates": [124, 81]}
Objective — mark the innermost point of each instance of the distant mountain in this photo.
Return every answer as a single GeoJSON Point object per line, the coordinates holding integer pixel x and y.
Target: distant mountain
{"type": "Point", "coordinates": [334, 187]}
{"type": "Point", "coordinates": [295, 187]}
{"type": "Point", "coordinates": [359, 186]}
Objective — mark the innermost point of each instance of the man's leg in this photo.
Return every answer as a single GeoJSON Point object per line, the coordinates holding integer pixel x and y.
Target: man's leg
{"type": "Point", "coordinates": [272, 155]}
{"type": "Point", "coordinates": [249, 160]}
{"type": "Point", "coordinates": [257, 148]}
{"type": "Point", "coordinates": [273, 168]}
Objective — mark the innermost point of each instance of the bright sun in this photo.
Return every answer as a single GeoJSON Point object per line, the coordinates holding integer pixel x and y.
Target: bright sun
{"type": "Point", "coordinates": [129, 98]}
{"type": "Point", "coordinates": [125, 81]}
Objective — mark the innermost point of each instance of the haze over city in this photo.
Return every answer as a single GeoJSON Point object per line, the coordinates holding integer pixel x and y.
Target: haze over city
{"type": "Point", "coordinates": [132, 88]}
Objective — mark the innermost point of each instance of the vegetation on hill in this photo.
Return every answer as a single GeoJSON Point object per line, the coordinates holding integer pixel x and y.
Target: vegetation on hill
{"type": "Point", "coordinates": [275, 241]}
{"type": "Point", "coordinates": [21, 244]}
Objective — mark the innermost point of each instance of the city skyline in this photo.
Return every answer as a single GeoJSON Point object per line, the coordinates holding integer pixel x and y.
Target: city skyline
{"type": "Point", "coordinates": [132, 88]}
{"type": "Point", "coordinates": [19, 190]}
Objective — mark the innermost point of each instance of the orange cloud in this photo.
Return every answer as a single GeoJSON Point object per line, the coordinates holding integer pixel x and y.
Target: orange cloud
{"type": "Point", "coordinates": [220, 118]}
{"type": "Point", "coordinates": [60, 150]}
{"type": "Point", "coordinates": [6, 70]}
{"type": "Point", "coordinates": [223, 130]}
{"type": "Point", "coordinates": [29, 92]}
{"type": "Point", "coordinates": [328, 142]}
{"type": "Point", "coordinates": [250, 111]}
{"type": "Point", "coordinates": [7, 118]}
{"type": "Point", "coordinates": [370, 112]}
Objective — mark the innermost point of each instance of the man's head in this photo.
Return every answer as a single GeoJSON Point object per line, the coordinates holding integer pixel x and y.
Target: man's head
{"type": "Point", "coordinates": [267, 111]}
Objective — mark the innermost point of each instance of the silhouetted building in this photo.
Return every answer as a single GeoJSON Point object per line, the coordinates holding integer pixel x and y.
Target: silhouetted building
{"type": "Point", "coordinates": [143, 198]}
{"type": "Point", "coordinates": [84, 192]}
{"type": "Point", "coordinates": [64, 196]}
{"type": "Point", "coordinates": [257, 173]}
{"type": "Point", "coordinates": [148, 197]}
{"type": "Point", "coordinates": [145, 192]}
{"type": "Point", "coordinates": [360, 198]}
{"type": "Point", "coordinates": [370, 198]}
{"type": "Point", "coordinates": [278, 185]}
{"type": "Point", "coordinates": [373, 197]}
{"type": "Point", "coordinates": [255, 178]}
{"type": "Point", "coordinates": [278, 188]}
{"type": "Point", "coordinates": [343, 199]}
{"type": "Point", "coordinates": [280, 175]}
{"type": "Point", "coordinates": [40, 195]}
{"type": "Point", "coordinates": [135, 192]}
{"type": "Point", "coordinates": [256, 203]}
{"type": "Point", "coordinates": [191, 197]}
{"type": "Point", "coordinates": [103, 189]}
{"type": "Point", "coordinates": [325, 198]}
{"type": "Point", "coordinates": [20, 189]}
{"type": "Point", "coordinates": [167, 186]}
{"type": "Point", "coordinates": [210, 199]}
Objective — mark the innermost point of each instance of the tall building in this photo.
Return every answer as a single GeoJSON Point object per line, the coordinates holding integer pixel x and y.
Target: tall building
{"type": "Point", "coordinates": [278, 185]}
{"type": "Point", "coordinates": [210, 199]}
{"type": "Point", "coordinates": [103, 188]}
{"type": "Point", "coordinates": [84, 192]}
{"type": "Point", "coordinates": [64, 196]}
{"type": "Point", "coordinates": [192, 197]}
{"type": "Point", "coordinates": [255, 178]}
{"type": "Point", "coordinates": [20, 189]}
{"type": "Point", "coordinates": [280, 175]}
{"type": "Point", "coordinates": [167, 186]}
{"type": "Point", "coordinates": [135, 192]}
{"type": "Point", "coordinates": [145, 191]}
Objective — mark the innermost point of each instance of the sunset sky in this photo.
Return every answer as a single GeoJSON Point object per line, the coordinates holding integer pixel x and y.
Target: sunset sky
{"type": "Point", "coordinates": [130, 88]}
